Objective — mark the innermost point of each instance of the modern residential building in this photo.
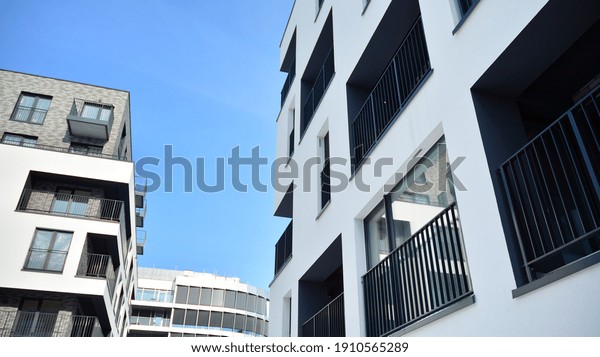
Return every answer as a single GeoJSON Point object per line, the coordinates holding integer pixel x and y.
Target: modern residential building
{"type": "Point", "coordinates": [69, 209]}
{"type": "Point", "coordinates": [457, 189]}
{"type": "Point", "coordinates": [189, 304]}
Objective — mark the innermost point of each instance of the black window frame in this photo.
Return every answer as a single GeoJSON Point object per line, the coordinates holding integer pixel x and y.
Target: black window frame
{"type": "Point", "coordinates": [48, 252]}
{"type": "Point", "coordinates": [32, 109]}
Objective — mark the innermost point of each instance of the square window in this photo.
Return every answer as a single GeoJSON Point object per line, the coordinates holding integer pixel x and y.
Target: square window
{"type": "Point", "coordinates": [48, 250]}
{"type": "Point", "coordinates": [31, 108]}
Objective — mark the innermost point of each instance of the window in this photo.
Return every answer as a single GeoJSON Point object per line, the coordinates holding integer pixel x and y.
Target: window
{"type": "Point", "coordinates": [48, 250]}
{"type": "Point", "coordinates": [71, 202]}
{"type": "Point", "coordinates": [325, 176]}
{"type": "Point", "coordinates": [31, 108]}
{"type": "Point", "coordinates": [291, 125]}
{"type": "Point", "coordinates": [96, 111]}
{"type": "Point", "coordinates": [91, 150]}
{"type": "Point", "coordinates": [421, 195]}
{"type": "Point", "coordinates": [122, 149]}
{"type": "Point", "coordinates": [21, 140]}
{"type": "Point", "coordinates": [461, 10]}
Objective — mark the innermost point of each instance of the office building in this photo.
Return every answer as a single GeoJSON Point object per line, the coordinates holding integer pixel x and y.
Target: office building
{"type": "Point", "coordinates": [69, 209]}
{"type": "Point", "coordinates": [443, 174]}
{"type": "Point", "coordinates": [183, 303]}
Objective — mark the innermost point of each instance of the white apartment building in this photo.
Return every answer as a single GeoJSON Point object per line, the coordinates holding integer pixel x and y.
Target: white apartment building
{"type": "Point", "coordinates": [184, 303]}
{"type": "Point", "coordinates": [444, 174]}
{"type": "Point", "coordinates": [68, 208]}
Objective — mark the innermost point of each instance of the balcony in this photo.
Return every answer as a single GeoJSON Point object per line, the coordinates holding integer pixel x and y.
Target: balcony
{"type": "Point", "coordinates": [424, 275]}
{"type": "Point", "coordinates": [37, 324]}
{"type": "Point", "coordinates": [141, 237]}
{"type": "Point", "coordinates": [283, 249]}
{"type": "Point", "coordinates": [552, 186]}
{"type": "Point", "coordinates": [399, 82]}
{"type": "Point", "coordinates": [328, 322]}
{"type": "Point", "coordinates": [98, 266]}
{"type": "Point", "coordinates": [317, 90]}
{"type": "Point", "coordinates": [60, 204]}
{"type": "Point", "coordinates": [90, 120]}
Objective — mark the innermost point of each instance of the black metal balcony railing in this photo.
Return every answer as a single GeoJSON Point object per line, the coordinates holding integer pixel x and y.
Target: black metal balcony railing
{"type": "Point", "coordinates": [70, 205]}
{"type": "Point", "coordinates": [36, 324]}
{"type": "Point", "coordinates": [422, 276]}
{"type": "Point", "coordinates": [59, 149]}
{"type": "Point", "coordinates": [283, 248]}
{"type": "Point", "coordinates": [98, 266]}
{"type": "Point", "coordinates": [328, 322]}
{"type": "Point", "coordinates": [288, 82]}
{"type": "Point", "coordinates": [317, 91]}
{"type": "Point", "coordinates": [403, 75]}
{"type": "Point", "coordinates": [553, 190]}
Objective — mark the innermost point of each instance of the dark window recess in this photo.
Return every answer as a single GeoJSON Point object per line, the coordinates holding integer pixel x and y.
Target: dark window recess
{"type": "Point", "coordinates": [84, 149]}
{"type": "Point", "coordinates": [283, 248]}
{"type": "Point", "coordinates": [464, 6]}
{"type": "Point", "coordinates": [20, 140]}
{"type": "Point", "coordinates": [325, 173]}
{"type": "Point", "coordinates": [317, 75]}
{"type": "Point", "coordinates": [31, 108]}
{"type": "Point", "coordinates": [317, 91]}
{"type": "Point", "coordinates": [553, 190]}
{"type": "Point", "coordinates": [288, 65]}
{"type": "Point", "coordinates": [291, 144]}
{"type": "Point", "coordinates": [403, 75]}
{"type": "Point", "coordinates": [288, 82]}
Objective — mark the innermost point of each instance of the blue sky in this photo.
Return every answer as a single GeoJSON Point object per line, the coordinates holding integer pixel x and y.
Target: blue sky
{"type": "Point", "coordinates": [203, 77]}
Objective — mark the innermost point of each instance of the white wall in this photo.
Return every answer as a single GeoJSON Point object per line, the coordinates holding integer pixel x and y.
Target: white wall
{"type": "Point", "coordinates": [443, 106]}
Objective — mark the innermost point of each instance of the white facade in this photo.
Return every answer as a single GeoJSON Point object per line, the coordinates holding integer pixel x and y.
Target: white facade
{"type": "Point", "coordinates": [190, 304]}
{"type": "Point", "coordinates": [497, 77]}
{"type": "Point", "coordinates": [80, 287]}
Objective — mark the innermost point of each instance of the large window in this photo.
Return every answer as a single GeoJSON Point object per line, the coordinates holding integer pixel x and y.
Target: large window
{"type": "Point", "coordinates": [420, 196]}
{"type": "Point", "coordinates": [31, 108]}
{"type": "Point", "coordinates": [21, 140]}
{"type": "Point", "coordinates": [48, 250]}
